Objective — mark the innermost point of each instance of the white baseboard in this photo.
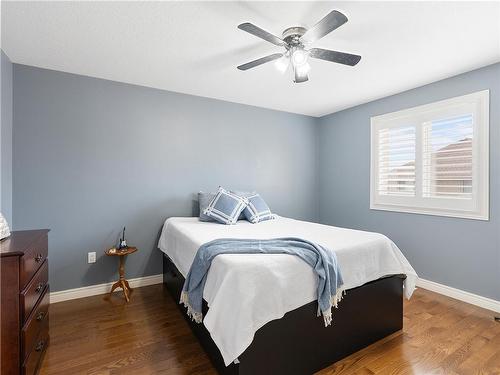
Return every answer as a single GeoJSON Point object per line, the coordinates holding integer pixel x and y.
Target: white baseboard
{"type": "Point", "coordinates": [93, 290]}
{"type": "Point", "coordinates": [461, 295]}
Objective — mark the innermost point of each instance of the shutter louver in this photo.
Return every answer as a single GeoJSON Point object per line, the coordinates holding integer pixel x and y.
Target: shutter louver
{"type": "Point", "coordinates": [396, 167]}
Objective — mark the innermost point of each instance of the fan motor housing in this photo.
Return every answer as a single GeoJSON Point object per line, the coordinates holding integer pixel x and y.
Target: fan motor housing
{"type": "Point", "coordinates": [292, 35]}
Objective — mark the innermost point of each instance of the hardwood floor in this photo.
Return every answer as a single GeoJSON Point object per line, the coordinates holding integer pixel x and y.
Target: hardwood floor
{"type": "Point", "coordinates": [149, 336]}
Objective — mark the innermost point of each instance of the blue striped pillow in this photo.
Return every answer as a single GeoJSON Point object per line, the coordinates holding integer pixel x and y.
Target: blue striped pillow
{"type": "Point", "coordinates": [226, 207]}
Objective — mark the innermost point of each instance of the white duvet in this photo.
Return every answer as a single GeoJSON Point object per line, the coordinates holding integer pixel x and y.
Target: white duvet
{"type": "Point", "coordinates": [246, 291]}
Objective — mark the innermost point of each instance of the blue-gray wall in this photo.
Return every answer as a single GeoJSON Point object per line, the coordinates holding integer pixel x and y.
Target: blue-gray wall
{"type": "Point", "coordinates": [92, 155]}
{"type": "Point", "coordinates": [461, 253]}
{"type": "Point", "coordinates": [6, 138]}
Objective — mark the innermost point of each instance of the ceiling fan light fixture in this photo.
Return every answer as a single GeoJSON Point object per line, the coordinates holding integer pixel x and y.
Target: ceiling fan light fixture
{"type": "Point", "coordinates": [299, 57]}
{"type": "Point", "coordinates": [282, 64]}
{"type": "Point", "coordinates": [303, 69]}
{"type": "Point", "coordinates": [301, 73]}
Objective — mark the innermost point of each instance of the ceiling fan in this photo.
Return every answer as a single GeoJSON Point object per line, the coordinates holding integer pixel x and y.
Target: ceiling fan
{"type": "Point", "coordinates": [295, 40]}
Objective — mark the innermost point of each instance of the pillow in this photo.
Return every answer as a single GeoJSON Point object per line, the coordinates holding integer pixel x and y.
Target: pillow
{"type": "Point", "coordinates": [244, 194]}
{"type": "Point", "coordinates": [257, 210]}
{"type": "Point", "coordinates": [204, 200]}
{"type": "Point", "coordinates": [225, 207]}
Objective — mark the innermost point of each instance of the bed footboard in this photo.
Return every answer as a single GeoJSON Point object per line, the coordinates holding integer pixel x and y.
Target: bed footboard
{"type": "Point", "coordinates": [299, 343]}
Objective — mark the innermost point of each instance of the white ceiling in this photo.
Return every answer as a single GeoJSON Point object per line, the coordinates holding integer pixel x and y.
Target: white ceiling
{"type": "Point", "coordinates": [194, 47]}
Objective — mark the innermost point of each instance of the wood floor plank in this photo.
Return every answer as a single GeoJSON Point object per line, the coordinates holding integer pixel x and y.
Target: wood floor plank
{"type": "Point", "coordinates": [106, 336]}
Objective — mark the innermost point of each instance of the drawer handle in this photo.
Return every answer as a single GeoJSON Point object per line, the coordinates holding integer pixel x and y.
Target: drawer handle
{"type": "Point", "coordinates": [39, 346]}
{"type": "Point", "coordinates": [39, 288]}
{"type": "Point", "coordinates": [40, 316]}
{"type": "Point", "coordinates": [38, 258]}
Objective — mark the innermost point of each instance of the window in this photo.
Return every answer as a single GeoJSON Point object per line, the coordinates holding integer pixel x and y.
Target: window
{"type": "Point", "coordinates": [433, 159]}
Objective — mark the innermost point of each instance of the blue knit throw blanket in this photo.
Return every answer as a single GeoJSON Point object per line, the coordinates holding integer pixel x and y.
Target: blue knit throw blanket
{"type": "Point", "coordinates": [323, 262]}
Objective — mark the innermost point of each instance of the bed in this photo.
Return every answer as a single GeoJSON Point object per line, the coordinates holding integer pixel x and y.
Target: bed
{"type": "Point", "coordinates": [260, 309]}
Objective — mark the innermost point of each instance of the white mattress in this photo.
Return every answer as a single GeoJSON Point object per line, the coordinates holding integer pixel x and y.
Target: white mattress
{"type": "Point", "coordinates": [246, 291]}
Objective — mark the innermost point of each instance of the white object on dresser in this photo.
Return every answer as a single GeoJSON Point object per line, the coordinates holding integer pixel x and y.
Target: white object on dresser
{"type": "Point", "coordinates": [4, 227]}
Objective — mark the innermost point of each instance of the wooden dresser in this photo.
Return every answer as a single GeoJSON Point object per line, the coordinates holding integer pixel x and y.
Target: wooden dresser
{"type": "Point", "coordinates": [24, 301]}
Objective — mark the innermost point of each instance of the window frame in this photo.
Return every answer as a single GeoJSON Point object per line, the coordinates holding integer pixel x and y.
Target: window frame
{"type": "Point", "coordinates": [477, 104]}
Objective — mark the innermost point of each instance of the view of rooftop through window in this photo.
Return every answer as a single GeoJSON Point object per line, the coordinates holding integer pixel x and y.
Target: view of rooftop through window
{"type": "Point", "coordinates": [447, 158]}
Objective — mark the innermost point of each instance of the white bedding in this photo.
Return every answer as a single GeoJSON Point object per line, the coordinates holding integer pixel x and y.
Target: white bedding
{"type": "Point", "coordinates": [246, 291]}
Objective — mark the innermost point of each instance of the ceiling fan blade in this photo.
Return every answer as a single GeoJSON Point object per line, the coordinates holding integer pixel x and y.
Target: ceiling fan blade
{"type": "Point", "coordinates": [334, 56]}
{"type": "Point", "coordinates": [330, 22]}
{"type": "Point", "coordinates": [263, 34]}
{"type": "Point", "coordinates": [262, 60]}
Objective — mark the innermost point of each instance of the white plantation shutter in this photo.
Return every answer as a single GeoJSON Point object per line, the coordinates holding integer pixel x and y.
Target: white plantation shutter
{"type": "Point", "coordinates": [433, 159]}
{"type": "Point", "coordinates": [397, 161]}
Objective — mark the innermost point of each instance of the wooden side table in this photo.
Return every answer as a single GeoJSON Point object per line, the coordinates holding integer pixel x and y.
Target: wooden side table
{"type": "Point", "coordinates": [122, 283]}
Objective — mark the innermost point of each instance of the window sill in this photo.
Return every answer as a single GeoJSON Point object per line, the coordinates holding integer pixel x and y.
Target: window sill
{"type": "Point", "coordinates": [484, 216]}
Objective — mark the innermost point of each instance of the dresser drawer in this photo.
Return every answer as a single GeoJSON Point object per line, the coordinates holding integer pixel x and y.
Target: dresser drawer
{"type": "Point", "coordinates": [33, 291]}
{"type": "Point", "coordinates": [33, 258]}
{"type": "Point", "coordinates": [38, 319]}
{"type": "Point", "coordinates": [32, 362]}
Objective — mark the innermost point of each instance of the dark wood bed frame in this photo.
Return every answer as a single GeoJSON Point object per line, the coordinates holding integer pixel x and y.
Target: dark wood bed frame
{"type": "Point", "coordinates": [299, 343]}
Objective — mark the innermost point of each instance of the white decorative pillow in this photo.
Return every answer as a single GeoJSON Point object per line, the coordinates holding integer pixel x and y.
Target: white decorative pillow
{"type": "Point", "coordinates": [226, 207]}
{"type": "Point", "coordinates": [4, 227]}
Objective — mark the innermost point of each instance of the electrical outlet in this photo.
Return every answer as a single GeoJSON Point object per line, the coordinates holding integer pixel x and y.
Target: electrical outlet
{"type": "Point", "coordinates": [91, 257]}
